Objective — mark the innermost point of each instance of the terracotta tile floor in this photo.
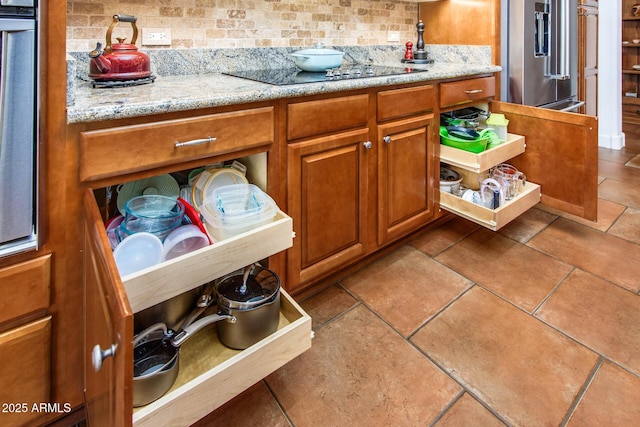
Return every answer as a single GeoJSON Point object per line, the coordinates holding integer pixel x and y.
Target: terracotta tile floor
{"type": "Point", "coordinates": [535, 325]}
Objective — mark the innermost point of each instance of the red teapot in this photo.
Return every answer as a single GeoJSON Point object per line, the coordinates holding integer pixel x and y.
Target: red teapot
{"type": "Point", "coordinates": [120, 61]}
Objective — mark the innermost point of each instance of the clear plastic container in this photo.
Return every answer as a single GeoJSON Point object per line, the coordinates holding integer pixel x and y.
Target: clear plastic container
{"type": "Point", "coordinates": [235, 209]}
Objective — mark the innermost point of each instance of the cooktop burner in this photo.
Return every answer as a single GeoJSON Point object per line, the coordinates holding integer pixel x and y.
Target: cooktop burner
{"type": "Point", "coordinates": [291, 76]}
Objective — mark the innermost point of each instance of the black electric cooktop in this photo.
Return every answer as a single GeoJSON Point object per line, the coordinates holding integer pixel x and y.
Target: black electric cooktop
{"type": "Point", "coordinates": [291, 76]}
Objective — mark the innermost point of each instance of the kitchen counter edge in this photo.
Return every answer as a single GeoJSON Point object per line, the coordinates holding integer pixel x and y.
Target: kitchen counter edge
{"type": "Point", "coordinates": [184, 93]}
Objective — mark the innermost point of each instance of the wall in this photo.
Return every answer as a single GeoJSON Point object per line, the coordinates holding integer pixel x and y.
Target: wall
{"type": "Point", "coordinates": [246, 23]}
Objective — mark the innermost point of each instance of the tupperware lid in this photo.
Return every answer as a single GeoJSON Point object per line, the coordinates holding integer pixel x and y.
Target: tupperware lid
{"type": "Point", "coordinates": [237, 205]}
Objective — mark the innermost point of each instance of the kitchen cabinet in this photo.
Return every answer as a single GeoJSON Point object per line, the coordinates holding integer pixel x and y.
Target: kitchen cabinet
{"type": "Point", "coordinates": [328, 184]}
{"type": "Point", "coordinates": [407, 163]}
{"type": "Point", "coordinates": [630, 64]}
{"type": "Point", "coordinates": [560, 160]}
{"type": "Point", "coordinates": [210, 374]}
{"type": "Point", "coordinates": [358, 179]}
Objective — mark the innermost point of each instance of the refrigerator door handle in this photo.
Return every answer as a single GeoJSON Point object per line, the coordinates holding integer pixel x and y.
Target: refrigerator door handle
{"type": "Point", "coordinates": [563, 58]}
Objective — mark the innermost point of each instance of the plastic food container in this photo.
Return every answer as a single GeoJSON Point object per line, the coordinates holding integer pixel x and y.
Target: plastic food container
{"type": "Point", "coordinates": [477, 145]}
{"type": "Point", "coordinates": [235, 209]}
{"type": "Point", "coordinates": [499, 124]}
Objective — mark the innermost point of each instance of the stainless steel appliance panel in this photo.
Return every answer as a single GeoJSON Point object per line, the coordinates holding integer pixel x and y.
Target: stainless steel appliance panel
{"type": "Point", "coordinates": [541, 51]}
{"type": "Point", "coordinates": [17, 135]}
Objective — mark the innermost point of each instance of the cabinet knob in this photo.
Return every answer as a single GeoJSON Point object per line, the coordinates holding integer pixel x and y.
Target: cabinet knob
{"type": "Point", "coordinates": [387, 139]}
{"type": "Point", "coordinates": [367, 144]}
{"type": "Point", "coordinates": [98, 355]}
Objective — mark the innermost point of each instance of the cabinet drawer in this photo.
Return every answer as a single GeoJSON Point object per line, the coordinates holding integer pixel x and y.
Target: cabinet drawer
{"type": "Point", "coordinates": [25, 371]}
{"type": "Point", "coordinates": [467, 91]}
{"type": "Point", "coordinates": [478, 162]}
{"type": "Point", "coordinates": [211, 374]}
{"type": "Point", "coordinates": [127, 149]}
{"type": "Point", "coordinates": [493, 219]}
{"type": "Point", "coordinates": [25, 288]}
{"type": "Point", "coordinates": [398, 103]}
{"type": "Point", "coordinates": [311, 118]}
{"type": "Point", "coordinates": [156, 284]}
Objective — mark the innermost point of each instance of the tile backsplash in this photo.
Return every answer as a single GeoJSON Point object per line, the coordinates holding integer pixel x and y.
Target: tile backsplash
{"type": "Point", "coordinates": [246, 23]}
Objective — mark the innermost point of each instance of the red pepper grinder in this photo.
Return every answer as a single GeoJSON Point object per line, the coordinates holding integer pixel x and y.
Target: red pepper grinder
{"type": "Point", "coordinates": [408, 55]}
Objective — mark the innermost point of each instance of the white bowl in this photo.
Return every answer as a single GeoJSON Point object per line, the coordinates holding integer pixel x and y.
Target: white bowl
{"type": "Point", "coordinates": [137, 252]}
{"type": "Point", "coordinates": [182, 240]}
{"type": "Point", "coordinates": [636, 67]}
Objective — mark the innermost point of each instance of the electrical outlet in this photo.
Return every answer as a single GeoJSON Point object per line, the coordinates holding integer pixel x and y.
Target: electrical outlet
{"type": "Point", "coordinates": [393, 36]}
{"type": "Point", "coordinates": [156, 36]}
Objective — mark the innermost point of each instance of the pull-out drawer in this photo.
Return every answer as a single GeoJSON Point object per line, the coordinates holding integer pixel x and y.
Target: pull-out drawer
{"type": "Point", "coordinates": [397, 103]}
{"type": "Point", "coordinates": [514, 145]}
{"type": "Point", "coordinates": [156, 284]}
{"type": "Point", "coordinates": [211, 374]}
{"type": "Point", "coordinates": [467, 91]}
{"type": "Point", "coordinates": [493, 219]}
{"type": "Point", "coordinates": [128, 149]}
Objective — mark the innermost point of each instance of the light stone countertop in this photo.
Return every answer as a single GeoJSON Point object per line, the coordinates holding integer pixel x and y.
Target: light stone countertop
{"type": "Point", "coordinates": [184, 92]}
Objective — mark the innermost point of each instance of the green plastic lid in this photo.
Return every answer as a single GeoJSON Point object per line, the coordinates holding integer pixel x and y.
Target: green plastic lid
{"type": "Point", "coordinates": [497, 120]}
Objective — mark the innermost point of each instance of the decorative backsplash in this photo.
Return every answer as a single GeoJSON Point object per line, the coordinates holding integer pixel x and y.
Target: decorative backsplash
{"type": "Point", "coordinates": [247, 23]}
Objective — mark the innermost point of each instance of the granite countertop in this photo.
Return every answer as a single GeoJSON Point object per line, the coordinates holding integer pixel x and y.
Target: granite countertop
{"type": "Point", "coordinates": [183, 92]}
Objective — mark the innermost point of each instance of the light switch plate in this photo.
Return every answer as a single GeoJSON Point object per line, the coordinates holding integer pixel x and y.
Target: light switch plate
{"type": "Point", "coordinates": [156, 36]}
{"type": "Point", "coordinates": [393, 36]}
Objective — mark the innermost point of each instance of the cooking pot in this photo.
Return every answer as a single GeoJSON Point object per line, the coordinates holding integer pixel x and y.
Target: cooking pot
{"type": "Point", "coordinates": [120, 61]}
{"type": "Point", "coordinates": [256, 308]}
{"type": "Point", "coordinates": [318, 59]}
{"type": "Point", "coordinates": [247, 311]}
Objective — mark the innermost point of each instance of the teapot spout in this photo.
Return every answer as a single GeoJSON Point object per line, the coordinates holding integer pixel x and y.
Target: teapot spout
{"type": "Point", "coordinates": [99, 62]}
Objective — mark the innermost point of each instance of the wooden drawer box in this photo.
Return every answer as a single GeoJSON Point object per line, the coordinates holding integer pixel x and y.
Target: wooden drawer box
{"type": "Point", "coordinates": [126, 149]}
{"type": "Point", "coordinates": [153, 285]}
{"type": "Point", "coordinates": [25, 288]}
{"type": "Point", "coordinates": [479, 162]}
{"type": "Point", "coordinates": [467, 91]}
{"type": "Point", "coordinates": [206, 383]}
{"type": "Point", "coordinates": [393, 104]}
{"type": "Point", "coordinates": [493, 219]}
{"type": "Point", "coordinates": [313, 118]}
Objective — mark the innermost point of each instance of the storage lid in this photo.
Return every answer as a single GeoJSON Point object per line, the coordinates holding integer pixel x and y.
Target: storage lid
{"type": "Point", "coordinates": [237, 205]}
{"type": "Point", "coordinates": [497, 120]}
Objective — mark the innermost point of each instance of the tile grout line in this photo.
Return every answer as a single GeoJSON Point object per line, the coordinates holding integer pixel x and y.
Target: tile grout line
{"type": "Point", "coordinates": [582, 392]}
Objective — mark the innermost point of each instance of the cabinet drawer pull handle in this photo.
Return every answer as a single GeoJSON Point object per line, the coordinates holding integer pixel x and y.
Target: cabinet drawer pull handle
{"type": "Point", "coordinates": [637, 111]}
{"type": "Point", "coordinates": [98, 355]}
{"type": "Point", "coordinates": [367, 144]}
{"type": "Point", "coordinates": [473, 91]}
{"type": "Point", "coordinates": [206, 140]}
{"type": "Point", "coordinates": [387, 139]}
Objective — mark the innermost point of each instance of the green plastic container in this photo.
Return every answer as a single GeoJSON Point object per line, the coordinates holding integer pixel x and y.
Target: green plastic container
{"type": "Point", "coordinates": [477, 145]}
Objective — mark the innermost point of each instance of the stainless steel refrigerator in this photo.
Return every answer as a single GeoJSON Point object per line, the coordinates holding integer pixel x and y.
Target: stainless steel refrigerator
{"type": "Point", "coordinates": [540, 53]}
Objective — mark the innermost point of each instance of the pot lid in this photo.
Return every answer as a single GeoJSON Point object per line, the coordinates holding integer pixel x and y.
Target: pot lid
{"type": "Point", "coordinates": [319, 49]}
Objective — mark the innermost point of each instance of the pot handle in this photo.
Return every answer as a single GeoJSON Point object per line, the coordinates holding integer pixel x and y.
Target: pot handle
{"type": "Point", "coordinates": [123, 18]}
{"type": "Point", "coordinates": [144, 334]}
{"type": "Point", "coordinates": [182, 335]}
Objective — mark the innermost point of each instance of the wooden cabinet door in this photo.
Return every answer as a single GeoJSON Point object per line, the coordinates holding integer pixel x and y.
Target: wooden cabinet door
{"type": "Point", "coordinates": [327, 199]}
{"type": "Point", "coordinates": [561, 155]}
{"type": "Point", "coordinates": [109, 325]}
{"type": "Point", "coordinates": [407, 176]}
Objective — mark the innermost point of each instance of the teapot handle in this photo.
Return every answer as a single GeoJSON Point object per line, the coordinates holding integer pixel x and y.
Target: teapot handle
{"type": "Point", "coordinates": [123, 18]}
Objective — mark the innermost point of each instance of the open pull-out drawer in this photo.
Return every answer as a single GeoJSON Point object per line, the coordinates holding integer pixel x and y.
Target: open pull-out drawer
{"type": "Point", "coordinates": [493, 219]}
{"type": "Point", "coordinates": [485, 160]}
{"type": "Point", "coordinates": [212, 374]}
{"type": "Point", "coordinates": [156, 284]}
